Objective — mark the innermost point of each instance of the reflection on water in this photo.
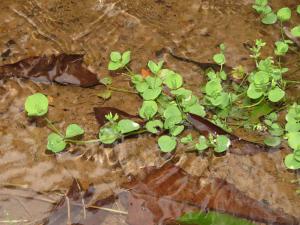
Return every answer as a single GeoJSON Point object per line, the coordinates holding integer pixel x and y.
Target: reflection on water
{"type": "Point", "coordinates": [192, 29]}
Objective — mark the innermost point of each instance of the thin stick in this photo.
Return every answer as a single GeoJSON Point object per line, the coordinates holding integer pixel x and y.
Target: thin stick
{"type": "Point", "coordinates": [82, 199]}
{"type": "Point", "coordinates": [30, 197]}
{"type": "Point", "coordinates": [69, 222]}
{"type": "Point", "coordinates": [52, 127]}
{"type": "Point", "coordinates": [108, 210]}
{"type": "Point", "coordinates": [13, 221]}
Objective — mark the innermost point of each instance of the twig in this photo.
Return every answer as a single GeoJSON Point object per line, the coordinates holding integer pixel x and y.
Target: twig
{"type": "Point", "coordinates": [69, 222]}
{"type": "Point", "coordinates": [13, 221]}
{"type": "Point", "coordinates": [82, 199]}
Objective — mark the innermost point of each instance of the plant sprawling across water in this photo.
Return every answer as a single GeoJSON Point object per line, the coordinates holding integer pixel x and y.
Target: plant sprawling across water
{"type": "Point", "coordinates": [249, 100]}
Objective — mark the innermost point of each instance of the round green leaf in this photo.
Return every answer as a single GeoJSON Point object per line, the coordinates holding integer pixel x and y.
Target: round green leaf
{"type": "Point", "coordinates": [107, 80]}
{"type": "Point", "coordinates": [294, 140]}
{"type": "Point", "coordinates": [172, 111]}
{"type": "Point", "coordinates": [151, 94]}
{"type": "Point", "coordinates": [219, 58]}
{"type": "Point", "coordinates": [115, 56]}
{"type": "Point", "coordinates": [272, 141]}
{"type": "Point", "coordinates": [261, 78]}
{"type": "Point", "coordinates": [151, 126]}
{"type": "Point", "coordinates": [56, 143]}
{"type": "Point", "coordinates": [106, 94]}
{"type": "Point", "coordinates": [127, 126]}
{"type": "Point", "coordinates": [292, 126]}
{"type": "Point", "coordinates": [108, 135]}
{"type": "Point", "coordinates": [153, 82]}
{"type": "Point", "coordinates": [296, 31]}
{"type": "Point", "coordinates": [222, 143]}
{"type": "Point", "coordinates": [269, 18]}
{"type": "Point", "coordinates": [173, 80]}
{"type": "Point", "coordinates": [202, 145]}
{"type": "Point", "coordinates": [148, 109]}
{"type": "Point", "coordinates": [114, 66]}
{"type": "Point", "coordinates": [276, 94]}
{"type": "Point", "coordinates": [176, 130]}
{"type": "Point", "coordinates": [196, 109]}
{"type": "Point", "coordinates": [73, 130]}
{"type": "Point", "coordinates": [281, 48]}
{"type": "Point", "coordinates": [36, 105]}
{"type": "Point", "coordinates": [291, 163]}
{"type": "Point", "coordinates": [135, 79]}
{"type": "Point", "coordinates": [187, 139]}
{"type": "Point", "coordinates": [284, 14]}
{"type": "Point", "coordinates": [172, 121]}
{"type": "Point", "coordinates": [142, 86]}
{"type": "Point", "coordinates": [253, 92]}
{"type": "Point", "coordinates": [213, 87]}
{"type": "Point", "coordinates": [167, 143]}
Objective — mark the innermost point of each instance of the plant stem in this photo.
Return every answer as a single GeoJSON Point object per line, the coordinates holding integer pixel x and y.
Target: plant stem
{"type": "Point", "coordinates": [120, 90]}
{"type": "Point", "coordinates": [52, 127]}
{"type": "Point", "coordinates": [129, 71]}
{"type": "Point", "coordinates": [82, 142]}
{"type": "Point", "coordinates": [136, 132]}
{"type": "Point", "coordinates": [255, 104]}
{"type": "Point", "coordinates": [292, 81]}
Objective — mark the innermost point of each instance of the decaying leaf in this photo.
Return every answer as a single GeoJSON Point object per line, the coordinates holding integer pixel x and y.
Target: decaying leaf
{"type": "Point", "coordinates": [63, 69]}
{"type": "Point", "coordinates": [169, 192]}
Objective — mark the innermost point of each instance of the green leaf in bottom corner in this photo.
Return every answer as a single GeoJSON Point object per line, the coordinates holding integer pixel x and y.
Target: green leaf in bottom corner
{"type": "Point", "coordinates": [73, 130]}
{"type": "Point", "coordinates": [291, 163]}
{"type": "Point", "coordinates": [272, 141]}
{"type": "Point", "coordinates": [56, 143]}
{"type": "Point", "coordinates": [211, 218]}
{"type": "Point", "coordinates": [222, 143]}
{"type": "Point", "coordinates": [167, 143]}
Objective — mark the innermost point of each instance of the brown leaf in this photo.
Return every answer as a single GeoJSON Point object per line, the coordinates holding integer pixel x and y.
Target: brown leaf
{"type": "Point", "coordinates": [63, 69]}
{"type": "Point", "coordinates": [100, 113]}
{"type": "Point", "coordinates": [59, 213]}
{"type": "Point", "coordinates": [168, 192]}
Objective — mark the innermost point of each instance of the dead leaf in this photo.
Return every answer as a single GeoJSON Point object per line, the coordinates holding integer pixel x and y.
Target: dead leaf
{"type": "Point", "coordinates": [63, 69]}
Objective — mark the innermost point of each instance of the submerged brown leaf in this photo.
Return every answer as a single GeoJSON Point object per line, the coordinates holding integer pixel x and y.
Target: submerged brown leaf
{"type": "Point", "coordinates": [168, 192]}
{"type": "Point", "coordinates": [63, 69]}
{"type": "Point", "coordinates": [59, 213]}
{"type": "Point", "coordinates": [100, 113]}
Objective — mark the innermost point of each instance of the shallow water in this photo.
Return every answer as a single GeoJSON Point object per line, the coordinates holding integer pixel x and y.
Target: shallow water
{"type": "Point", "coordinates": [191, 29]}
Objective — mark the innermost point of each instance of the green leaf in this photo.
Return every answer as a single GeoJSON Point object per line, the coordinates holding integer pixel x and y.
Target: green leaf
{"type": "Point", "coordinates": [126, 58]}
{"type": "Point", "coordinates": [182, 92]}
{"type": "Point", "coordinates": [202, 144]}
{"type": "Point", "coordinates": [281, 48]}
{"type": "Point", "coordinates": [155, 68]}
{"type": "Point", "coordinates": [107, 80]}
{"type": "Point", "coordinates": [294, 140]}
{"type": "Point", "coordinates": [284, 14]}
{"type": "Point", "coordinates": [298, 9]}
{"type": "Point", "coordinates": [173, 80]}
{"type": "Point", "coordinates": [272, 141]}
{"type": "Point", "coordinates": [276, 94]}
{"type": "Point", "coordinates": [269, 18]}
{"type": "Point", "coordinates": [296, 31]}
{"type": "Point", "coordinates": [176, 130]}
{"type": "Point", "coordinates": [261, 78]}
{"type": "Point", "coordinates": [187, 139]}
{"type": "Point", "coordinates": [167, 143]}
{"type": "Point", "coordinates": [253, 92]}
{"type": "Point", "coordinates": [258, 111]}
{"type": "Point", "coordinates": [292, 126]}
{"type": "Point", "coordinates": [196, 109]}
{"type": "Point", "coordinates": [211, 218]}
{"type": "Point", "coordinates": [172, 111]}
{"type": "Point", "coordinates": [127, 126]}
{"type": "Point", "coordinates": [142, 86]}
{"type": "Point", "coordinates": [172, 121]}
{"type": "Point", "coordinates": [112, 66]}
{"type": "Point", "coordinates": [153, 82]}
{"type": "Point", "coordinates": [219, 58]}
{"type": "Point", "coordinates": [151, 94]}
{"type": "Point", "coordinates": [213, 87]}
{"type": "Point", "coordinates": [115, 56]}
{"type": "Point", "coordinates": [36, 105]}
{"type": "Point", "coordinates": [56, 143]}
{"type": "Point", "coordinates": [106, 94]}
{"type": "Point", "coordinates": [73, 130]}
{"type": "Point", "coordinates": [291, 163]}
{"type": "Point", "coordinates": [135, 79]}
{"type": "Point", "coordinates": [148, 110]}
{"type": "Point", "coordinates": [261, 2]}
{"type": "Point", "coordinates": [152, 126]}
{"type": "Point", "coordinates": [222, 143]}
{"type": "Point", "coordinates": [108, 135]}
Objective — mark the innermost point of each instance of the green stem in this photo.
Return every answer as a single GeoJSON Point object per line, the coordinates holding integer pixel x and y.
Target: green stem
{"type": "Point", "coordinates": [255, 104]}
{"type": "Point", "coordinates": [121, 90]}
{"type": "Point", "coordinates": [292, 81]}
{"type": "Point", "coordinates": [136, 132]}
{"type": "Point", "coordinates": [83, 142]}
{"type": "Point", "coordinates": [129, 71]}
{"type": "Point", "coordinates": [52, 127]}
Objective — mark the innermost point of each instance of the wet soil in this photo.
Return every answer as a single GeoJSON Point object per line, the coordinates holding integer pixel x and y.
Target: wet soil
{"type": "Point", "coordinates": [190, 29]}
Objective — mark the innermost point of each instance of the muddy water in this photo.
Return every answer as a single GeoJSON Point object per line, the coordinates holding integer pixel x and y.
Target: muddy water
{"type": "Point", "coordinates": [192, 29]}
